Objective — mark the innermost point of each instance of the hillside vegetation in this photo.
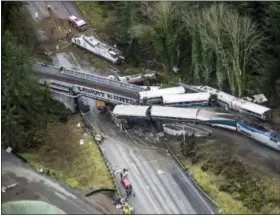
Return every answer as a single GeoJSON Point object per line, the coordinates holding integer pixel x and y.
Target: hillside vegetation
{"type": "Point", "coordinates": [236, 186]}
{"type": "Point", "coordinates": [233, 46]}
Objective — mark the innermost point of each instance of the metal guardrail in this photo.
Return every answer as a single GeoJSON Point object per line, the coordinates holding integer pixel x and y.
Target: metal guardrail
{"type": "Point", "coordinates": [54, 70]}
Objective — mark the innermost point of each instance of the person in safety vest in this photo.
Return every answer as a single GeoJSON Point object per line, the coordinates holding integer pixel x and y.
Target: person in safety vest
{"type": "Point", "coordinates": [127, 208]}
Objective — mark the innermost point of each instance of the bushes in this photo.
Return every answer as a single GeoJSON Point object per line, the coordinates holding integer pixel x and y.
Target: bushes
{"type": "Point", "coordinates": [238, 180]}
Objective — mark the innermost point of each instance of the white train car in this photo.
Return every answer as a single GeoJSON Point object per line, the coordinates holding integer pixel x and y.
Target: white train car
{"type": "Point", "coordinates": [130, 111]}
{"type": "Point", "coordinates": [243, 106]}
{"type": "Point", "coordinates": [187, 100]}
{"type": "Point", "coordinates": [96, 47]}
{"type": "Point", "coordinates": [237, 104]}
{"type": "Point", "coordinates": [173, 113]}
{"type": "Point", "coordinates": [207, 89]}
{"type": "Point", "coordinates": [137, 78]}
{"type": "Point", "coordinates": [157, 94]}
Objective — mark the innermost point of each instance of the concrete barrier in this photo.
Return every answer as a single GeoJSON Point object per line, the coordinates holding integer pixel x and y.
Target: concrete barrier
{"type": "Point", "coordinates": [91, 129]}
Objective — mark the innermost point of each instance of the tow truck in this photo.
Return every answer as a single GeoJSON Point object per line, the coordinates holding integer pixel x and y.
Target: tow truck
{"type": "Point", "coordinates": [79, 24]}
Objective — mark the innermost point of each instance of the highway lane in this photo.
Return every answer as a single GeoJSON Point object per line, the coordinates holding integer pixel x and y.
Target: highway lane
{"type": "Point", "coordinates": [41, 8]}
{"type": "Point", "coordinates": [71, 9]}
{"type": "Point", "coordinates": [158, 182]}
{"type": "Point", "coordinates": [34, 186]}
{"type": "Point", "coordinates": [245, 144]}
{"type": "Point", "coordinates": [59, 9]}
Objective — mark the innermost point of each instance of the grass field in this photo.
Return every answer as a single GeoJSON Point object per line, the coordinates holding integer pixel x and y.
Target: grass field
{"type": "Point", "coordinates": [79, 166]}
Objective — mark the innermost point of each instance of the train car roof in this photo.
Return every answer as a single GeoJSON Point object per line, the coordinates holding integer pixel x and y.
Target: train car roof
{"type": "Point", "coordinates": [226, 97]}
{"type": "Point", "coordinates": [185, 97]}
{"type": "Point", "coordinates": [207, 89]}
{"type": "Point", "coordinates": [130, 110]}
{"type": "Point", "coordinates": [161, 92]}
{"type": "Point", "coordinates": [182, 113]}
{"type": "Point", "coordinates": [255, 108]}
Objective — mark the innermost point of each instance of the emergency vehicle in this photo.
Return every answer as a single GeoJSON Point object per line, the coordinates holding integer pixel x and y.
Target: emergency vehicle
{"type": "Point", "coordinates": [125, 182]}
{"type": "Point", "coordinates": [79, 24]}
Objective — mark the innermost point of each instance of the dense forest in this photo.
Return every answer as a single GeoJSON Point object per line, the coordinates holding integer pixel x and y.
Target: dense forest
{"type": "Point", "coordinates": [233, 46]}
{"type": "Point", "coordinates": [27, 107]}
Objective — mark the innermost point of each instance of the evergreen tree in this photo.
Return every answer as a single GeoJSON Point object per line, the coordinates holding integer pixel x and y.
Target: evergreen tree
{"type": "Point", "coordinates": [22, 96]}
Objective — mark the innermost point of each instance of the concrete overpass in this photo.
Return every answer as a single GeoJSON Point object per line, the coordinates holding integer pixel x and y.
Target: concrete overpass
{"type": "Point", "coordinates": [74, 91]}
{"type": "Point", "coordinates": [86, 84]}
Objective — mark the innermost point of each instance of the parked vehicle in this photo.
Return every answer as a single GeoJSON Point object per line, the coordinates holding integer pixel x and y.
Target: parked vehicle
{"type": "Point", "coordinates": [79, 24]}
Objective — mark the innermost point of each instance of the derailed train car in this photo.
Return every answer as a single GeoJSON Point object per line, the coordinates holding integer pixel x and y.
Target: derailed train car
{"type": "Point", "coordinates": [222, 120]}
{"type": "Point", "coordinates": [237, 104]}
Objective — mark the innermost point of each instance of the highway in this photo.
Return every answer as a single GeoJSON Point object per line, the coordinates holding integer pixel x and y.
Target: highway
{"type": "Point", "coordinates": [34, 186]}
{"type": "Point", "coordinates": [159, 184]}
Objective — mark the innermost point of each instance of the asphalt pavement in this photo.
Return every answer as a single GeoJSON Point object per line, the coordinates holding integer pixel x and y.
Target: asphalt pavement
{"type": "Point", "coordinates": [159, 184]}
{"type": "Point", "coordinates": [34, 186]}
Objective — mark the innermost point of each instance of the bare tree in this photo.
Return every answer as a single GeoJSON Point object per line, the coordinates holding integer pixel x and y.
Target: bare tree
{"type": "Point", "coordinates": [229, 38]}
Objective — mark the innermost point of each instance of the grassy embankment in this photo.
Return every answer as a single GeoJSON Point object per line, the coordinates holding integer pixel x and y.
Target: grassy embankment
{"type": "Point", "coordinates": [236, 187]}
{"type": "Point", "coordinates": [79, 166]}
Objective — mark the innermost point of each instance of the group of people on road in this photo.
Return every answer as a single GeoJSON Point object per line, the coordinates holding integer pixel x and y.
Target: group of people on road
{"type": "Point", "coordinates": [127, 208]}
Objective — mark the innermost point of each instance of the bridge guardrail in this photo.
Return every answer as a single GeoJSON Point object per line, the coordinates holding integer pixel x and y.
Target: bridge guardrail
{"type": "Point", "coordinates": [40, 67]}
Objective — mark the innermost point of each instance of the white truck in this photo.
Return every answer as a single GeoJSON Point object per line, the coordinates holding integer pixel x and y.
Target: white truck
{"type": "Point", "coordinates": [79, 24]}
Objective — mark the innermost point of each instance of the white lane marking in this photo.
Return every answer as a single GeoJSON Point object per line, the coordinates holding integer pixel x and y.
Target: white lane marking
{"type": "Point", "coordinates": [159, 190]}
{"type": "Point", "coordinates": [142, 184]}
{"type": "Point", "coordinates": [136, 170]}
{"type": "Point", "coordinates": [177, 193]}
{"type": "Point", "coordinates": [195, 190]}
{"type": "Point", "coordinates": [60, 195]}
{"type": "Point", "coordinates": [160, 172]}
